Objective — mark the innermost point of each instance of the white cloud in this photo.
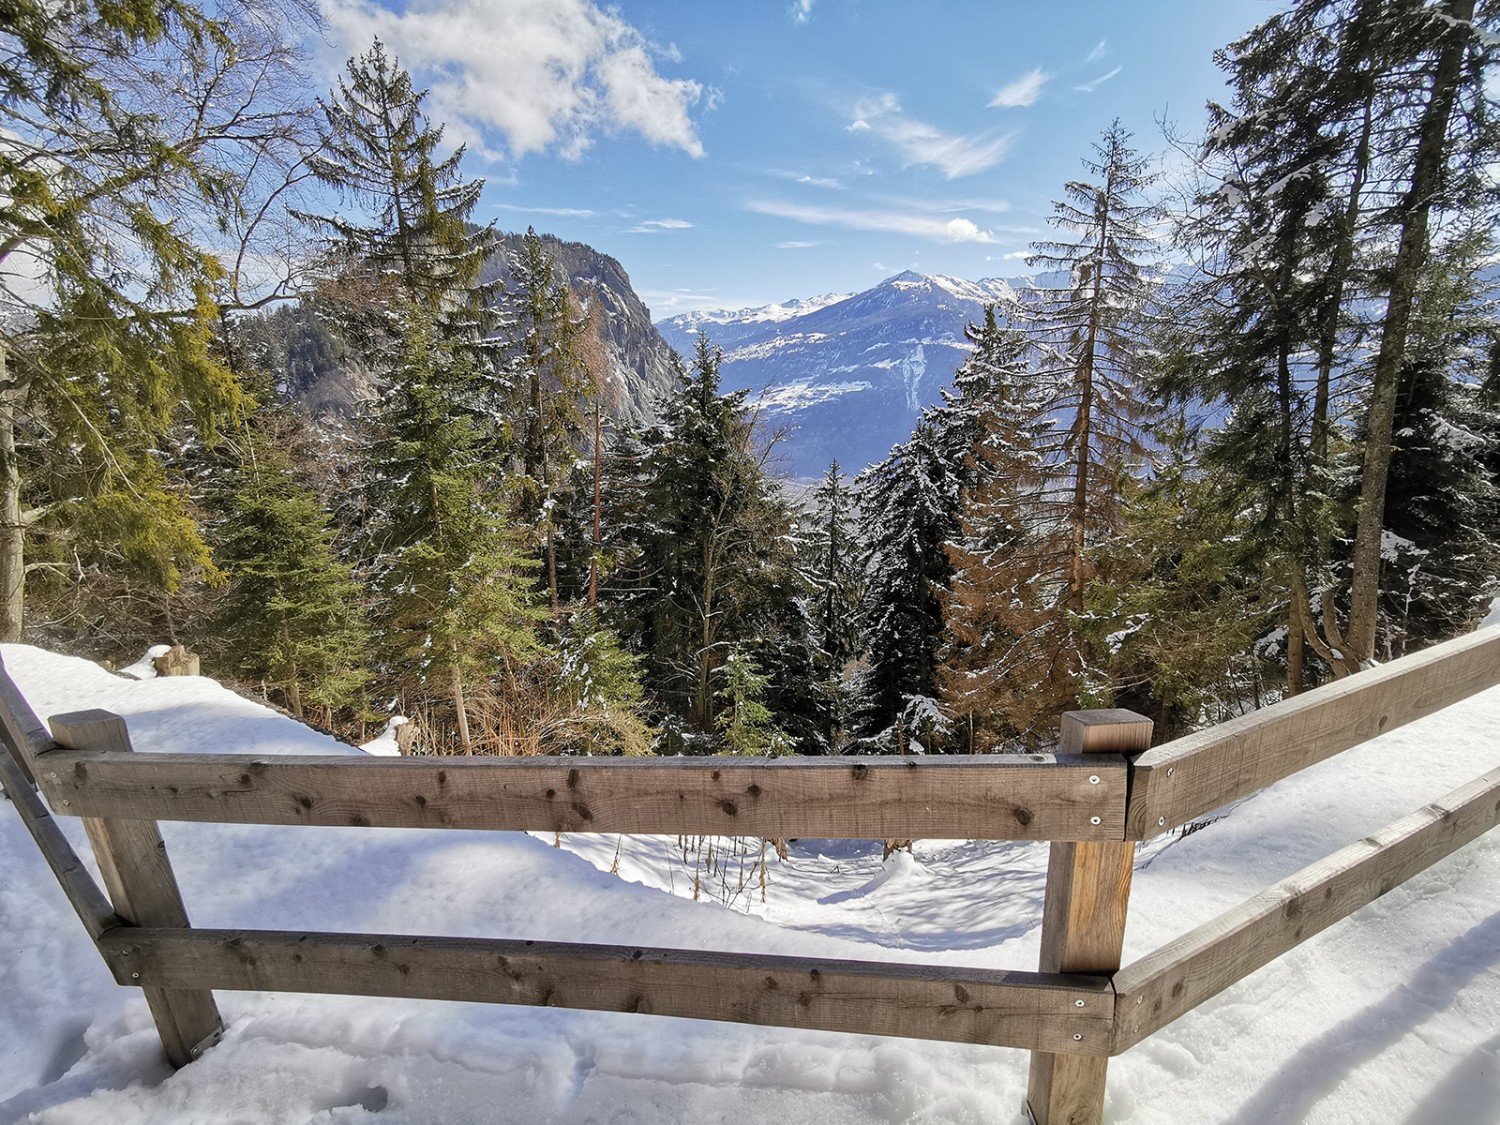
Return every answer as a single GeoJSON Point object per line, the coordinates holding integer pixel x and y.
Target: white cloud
{"type": "Point", "coordinates": [920, 143]}
{"type": "Point", "coordinates": [1098, 52]}
{"type": "Point", "coordinates": [560, 212]}
{"type": "Point", "coordinates": [1090, 87]}
{"type": "Point", "coordinates": [543, 74]}
{"type": "Point", "coordinates": [821, 181]}
{"type": "Point", "coordinates": [1022, 92]}
{"type": "Point", "coordinates": [886, 222]}
{"type": "Point", "coordinates": [794, 244]}
{"type": "Point", "coordinates": [656, 226]}
{"type": "Point", "coordinates": [801, 11]}
{"type": "Point", "coordinates": [947, 206]}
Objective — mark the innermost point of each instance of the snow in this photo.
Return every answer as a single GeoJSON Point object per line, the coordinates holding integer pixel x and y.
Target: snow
{"type": "Point", "coordinates": [384, 744]}
{"type": "Point", "coordinates": [1390, 1016]}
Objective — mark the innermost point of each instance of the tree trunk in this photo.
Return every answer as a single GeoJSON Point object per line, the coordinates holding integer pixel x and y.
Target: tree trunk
{"type": "Point", "coordinates": [12, 528]}
{"type": "Point", "coordinates": [598, 540]}
{"type": "Point", "coordinates": [460, 708]}
{"type": "Point", "coordinates": [1411, 257]}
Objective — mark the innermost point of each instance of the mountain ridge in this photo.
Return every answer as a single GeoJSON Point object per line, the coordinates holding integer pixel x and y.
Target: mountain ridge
{"type": "Point", "coordinates": [845, 376]}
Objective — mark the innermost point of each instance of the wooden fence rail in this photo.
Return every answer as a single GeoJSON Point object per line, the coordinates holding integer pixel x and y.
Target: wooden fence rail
{"type": "Point", "coordinates": [1104, 791]}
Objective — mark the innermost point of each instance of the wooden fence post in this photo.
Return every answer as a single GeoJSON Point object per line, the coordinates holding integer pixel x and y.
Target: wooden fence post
{"type": "Point", "coordinates": [138, 875]}
{"type": "Point", "coordinates": [1083, 922]}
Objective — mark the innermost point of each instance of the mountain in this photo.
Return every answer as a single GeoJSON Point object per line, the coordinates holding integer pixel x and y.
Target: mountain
{"type": "Point", "coordinates": [322, 378]}
{"type": "Point", "coordinates": [847, 375]}
{"type": "Point", "coordinates": [641, 359]}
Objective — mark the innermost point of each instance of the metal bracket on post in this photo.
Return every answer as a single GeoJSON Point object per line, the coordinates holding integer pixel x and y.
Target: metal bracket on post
{"type": "Point", "coordinates": [1083, 922]}
{"type": "Point", "coordinates": [138, 875]}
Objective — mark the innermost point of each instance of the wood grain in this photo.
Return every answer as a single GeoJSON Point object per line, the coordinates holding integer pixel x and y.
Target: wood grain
{"type": "Point", "coordinates": [20, 729]}
{"type": "Point", "coordinates": [1181, 780]}
{"type": "Point", "coordinates": [1083, 924]}
{"type": "Point", "coordinates": [1184, 973]}
{"type": "Point", "coordinates": [959, 797]}
{"type": "Point", "coordinates": [961, 1005]}
{"type": "Point", "coordinates": [83, 894]}
{"type": "Point", "coordinates": [133, 861]}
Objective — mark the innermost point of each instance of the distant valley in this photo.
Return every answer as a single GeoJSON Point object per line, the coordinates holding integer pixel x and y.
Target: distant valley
{"type": "Point", "coordinates": [846, 374]}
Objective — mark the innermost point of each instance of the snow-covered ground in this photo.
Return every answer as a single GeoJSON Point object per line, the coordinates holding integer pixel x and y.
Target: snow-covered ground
{"type": "Point", "coordinates": [1391, 1016]}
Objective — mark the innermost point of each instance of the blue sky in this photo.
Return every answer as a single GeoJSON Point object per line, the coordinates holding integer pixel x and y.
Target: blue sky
{"type": "Point", "coordinates": [741, 153]}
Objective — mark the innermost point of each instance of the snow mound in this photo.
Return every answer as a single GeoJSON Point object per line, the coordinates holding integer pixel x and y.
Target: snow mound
{"type": "Point", "coordinates": [1389, 1016]}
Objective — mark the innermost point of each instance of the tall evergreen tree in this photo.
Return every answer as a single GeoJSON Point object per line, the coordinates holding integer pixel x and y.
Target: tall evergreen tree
{"type": "Point", "coordinates": [448, 571]}
{"type": "Point", "coordinates": [1008, 651]}
{"type": "Point", "coordinates": [550, 384]}
{"type": "Point", "coordinates": [291, 616]}
{"type": "Point", "coordinates": [708, 562]}
{"type": "Point", "coordinates": [1353, 147]}
{"type": "Point", "coordinates": [835, 578]}
{"type": "Point", "coordinates": [408, 241]}
{"type": "Point", "coordinates": [1091, 333]}
{"type": "Point", "coordinates": [137, 140]}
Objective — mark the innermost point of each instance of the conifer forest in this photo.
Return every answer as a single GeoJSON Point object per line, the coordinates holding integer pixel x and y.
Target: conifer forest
{"type": "Point", "coordinates": [1237, 438]}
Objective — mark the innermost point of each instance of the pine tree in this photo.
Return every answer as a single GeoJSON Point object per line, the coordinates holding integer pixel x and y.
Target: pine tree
{"type": "Point", "coordinates": [1441, 542]}
{"type": "Point", "coordinates": [1353, 149]}
{"type": "Point", "coordinates": [550, 385]}
{"type": "Point", "coordinates": [290, 619]}
{"type": "Point", "coordinates": [449, 574]}
{"type": "Point", "coordinates": [137, 139]}
{"type": "Point", "coordinates": [1091, 333]}
{"type": "Point", "coordinates": [835, 580]}
{"type": "Point", "coordinates": [1008, 651]}
{"type": "Point", "coordinates": [1175, 612]}
{"type": "Point", "coordinates": [409, 241]}
{"type": "Point", "coordinates": [706, 560]}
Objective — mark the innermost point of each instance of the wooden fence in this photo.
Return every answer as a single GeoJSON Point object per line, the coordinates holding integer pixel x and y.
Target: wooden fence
{"type": "Point", "coordinates": [1101, 793]}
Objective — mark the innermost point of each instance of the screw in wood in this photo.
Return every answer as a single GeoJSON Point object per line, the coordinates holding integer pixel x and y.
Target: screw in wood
{"type": "Point", "coordinates": [1078, 1003]}
{"type": "Point", "coordinates": [1093, 779]}
{"type": "Point", "coordinates": [1161, 822]}
{"type": "Point", "coordinates": [1094, 820]}
{"type": "Point", "coordinates": [1078, 1038]}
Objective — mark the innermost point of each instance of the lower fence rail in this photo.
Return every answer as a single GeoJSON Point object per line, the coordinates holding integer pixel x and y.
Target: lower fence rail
{"type": "Point", "coordinates": [1034, 1011]}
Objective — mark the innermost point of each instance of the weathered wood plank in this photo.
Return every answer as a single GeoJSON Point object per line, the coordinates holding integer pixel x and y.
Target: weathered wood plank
{"type": "Point", "coordinates": [20, 729]}
{"type": "Point", "coordinates": [1083, 924]}
{"type": "Point", "coordinates": [133, 862]}
{"type": "Point", "coordinates": [962, 1005]}
{"type": "Point", "coordinates": [996, 797]}
{"type": "Point", "coordinates": [83, 894]}
{"type": "Point", "coordinates": [1182, 974]}
{"type": "Point", "coordinates": [1178, 781]}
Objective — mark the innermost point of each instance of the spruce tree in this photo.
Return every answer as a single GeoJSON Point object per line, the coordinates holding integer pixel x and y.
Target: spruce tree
{"type": "Point", "coordinates": [1352, 152]}
{"type": "Point", "coordinates": [706, 563]}
{"type": "Point", "coordinates": [1090, 331]}
{"type": "Point", "coordinates": [408, 240]}
{"type": "Point", "coordinates": [448, 571]}
{"type": "Point", "coordinates": [835, 579]}
{"type": "Point", "coordinates": [137, 139]}
{"type": "Point", "coordinates": [1007, 654]}
{"type": "Point", "coordinates": [290, 619]}
{"type": "Point", "coordinates": [550, 384]}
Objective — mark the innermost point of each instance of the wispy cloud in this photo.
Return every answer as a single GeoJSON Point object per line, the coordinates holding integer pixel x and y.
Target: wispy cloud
{"type": "Point", "coordinates": [570, 71]}
{"type": "Point", "coordinates": [793, 244]}
{"type": "Point", "coordinates": [801, 11]}
{"type": "Point", "coordinates": [886, 222]}
{"type": "Point", "coordinates": [1022, 92]}
{"type": "Point", "coordinates": [919, 143]}
{"type": "Point", "coordinates": [946, 206]}
{"type": "Point", "coordinates": [822, 182]}
{"type": "Point", "coordinates": [1098, 52]}
{"type": "Point", "coordinates": [657, 226]}
{"type": "Point", "coordinates": [561, 212]}
{"type": "Point", "coordinates": [1090, 87]}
